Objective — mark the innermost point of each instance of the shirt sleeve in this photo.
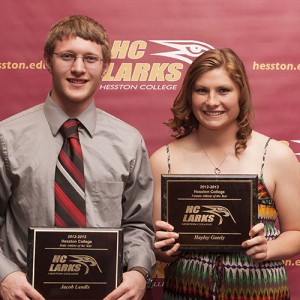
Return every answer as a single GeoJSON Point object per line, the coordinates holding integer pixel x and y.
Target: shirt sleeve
{"type": "Point", "coordinates": [7, 266]}
{"type": "Point", "coordinates": [137, 212]}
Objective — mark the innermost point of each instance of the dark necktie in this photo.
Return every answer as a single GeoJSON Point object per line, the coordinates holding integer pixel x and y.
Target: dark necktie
{"type": "Point", "coordinates": [69, 179]}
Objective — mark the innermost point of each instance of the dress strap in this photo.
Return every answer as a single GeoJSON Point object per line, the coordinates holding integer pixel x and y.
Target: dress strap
{"type": "Point", "coordinates": [168, 159]}
{"type": "Point", "coordinates": [264, 158]}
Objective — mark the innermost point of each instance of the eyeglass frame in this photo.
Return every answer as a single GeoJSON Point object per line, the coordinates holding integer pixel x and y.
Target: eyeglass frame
{"type": "Point", "coordinates": [73, 58]}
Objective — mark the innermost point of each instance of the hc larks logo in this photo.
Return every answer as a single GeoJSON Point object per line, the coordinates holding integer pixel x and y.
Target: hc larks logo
{"type": "Point", "coordinates": [186, 50]}
{"type": "Point", "coordinates": [206, 214]}
{"type": "Point", "coordinates": [73, 264]}
{"type": "Point", "coordinates": [132, 62]}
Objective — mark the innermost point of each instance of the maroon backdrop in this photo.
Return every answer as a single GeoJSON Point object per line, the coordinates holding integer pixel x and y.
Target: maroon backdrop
{"type": "Point", "coordinates": [153, 42]}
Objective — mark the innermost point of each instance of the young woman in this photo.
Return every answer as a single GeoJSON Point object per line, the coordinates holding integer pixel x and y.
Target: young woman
{"type": "Point", "coordinates": [213, 135]}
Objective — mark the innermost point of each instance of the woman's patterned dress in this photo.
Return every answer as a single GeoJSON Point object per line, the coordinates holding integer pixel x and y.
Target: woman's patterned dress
{"type": "Point", "coordinates": [231, 275]}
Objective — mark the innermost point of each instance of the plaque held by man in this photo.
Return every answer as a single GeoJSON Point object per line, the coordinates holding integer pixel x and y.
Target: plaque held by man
{"type": "Point", "coordinates": [74, 263]}
{"type": "Point", "coordinates": [210, 212]}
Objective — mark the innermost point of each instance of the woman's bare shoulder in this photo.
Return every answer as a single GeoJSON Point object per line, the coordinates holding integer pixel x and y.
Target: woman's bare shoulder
{"type": "Point", "coordinates": [163, 152]}
{"type": "Point", "coordinates": [159, 153]}
{"type": "Point", "coordinates": [159, 160]}
{"type": "Point", "coordinates": [278, 151]}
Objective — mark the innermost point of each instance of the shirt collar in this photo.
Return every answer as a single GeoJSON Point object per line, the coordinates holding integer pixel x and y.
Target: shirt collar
{"type": "Point", "coordinates": [56, 116]}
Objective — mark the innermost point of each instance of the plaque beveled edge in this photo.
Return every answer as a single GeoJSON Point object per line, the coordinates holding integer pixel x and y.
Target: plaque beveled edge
{"type": "Point", "coordinates": [32, 230]}
{"type": "Point", "coordinates": [253, 178]}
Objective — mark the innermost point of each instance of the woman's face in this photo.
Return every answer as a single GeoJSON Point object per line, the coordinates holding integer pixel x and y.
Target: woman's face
{"type": "Point", "coordinates": [215, 100]}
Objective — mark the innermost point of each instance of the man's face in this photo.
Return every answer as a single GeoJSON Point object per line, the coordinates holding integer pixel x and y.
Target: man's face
{"type": "Point", "coordinates": [75, 81]}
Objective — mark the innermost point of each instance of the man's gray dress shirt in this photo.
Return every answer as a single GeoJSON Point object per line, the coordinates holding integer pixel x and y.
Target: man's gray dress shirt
{"type": "Point", "coordinates": [118, 179]}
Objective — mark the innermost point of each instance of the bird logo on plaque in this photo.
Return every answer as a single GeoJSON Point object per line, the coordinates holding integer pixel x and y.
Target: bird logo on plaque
{"type": "Point", "coordinates": [62, 264]}
{"type": "Point", "coordinates": [196, 214]}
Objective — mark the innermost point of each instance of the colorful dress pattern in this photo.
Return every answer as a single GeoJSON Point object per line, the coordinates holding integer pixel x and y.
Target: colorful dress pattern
{"type": "Point", "coordinates": [230, 276]}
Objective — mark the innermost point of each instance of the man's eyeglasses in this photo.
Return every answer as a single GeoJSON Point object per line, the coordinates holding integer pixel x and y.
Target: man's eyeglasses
{"type": "Point", "coordinates": [70, 58]}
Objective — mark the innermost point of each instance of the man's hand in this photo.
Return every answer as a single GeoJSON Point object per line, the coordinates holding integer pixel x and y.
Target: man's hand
{"type": "Point", "coordinates": [133, 287]}
{"type": "Point", "coordinates": [16, 287]}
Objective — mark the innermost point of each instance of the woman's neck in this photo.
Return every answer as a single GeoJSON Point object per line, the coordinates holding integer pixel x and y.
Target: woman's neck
{"type": "Point", "coordinates": [217, 138]}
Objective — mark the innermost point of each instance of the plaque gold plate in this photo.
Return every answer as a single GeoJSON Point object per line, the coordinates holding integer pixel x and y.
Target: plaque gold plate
{"type": "Point", "coordinates": [74, 263]}
{"type": "Point", "coordinates": [210, 212]}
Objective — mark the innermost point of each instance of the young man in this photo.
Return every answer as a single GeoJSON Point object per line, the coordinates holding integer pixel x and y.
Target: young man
{"type": "Point", "coordinates": [117, 178]}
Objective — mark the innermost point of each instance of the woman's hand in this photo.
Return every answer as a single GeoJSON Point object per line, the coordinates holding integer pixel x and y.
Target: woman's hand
{"type": "Point", "coordinates": [257, 247]}
{"type": "Point", "coordinates": [166, 237]}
